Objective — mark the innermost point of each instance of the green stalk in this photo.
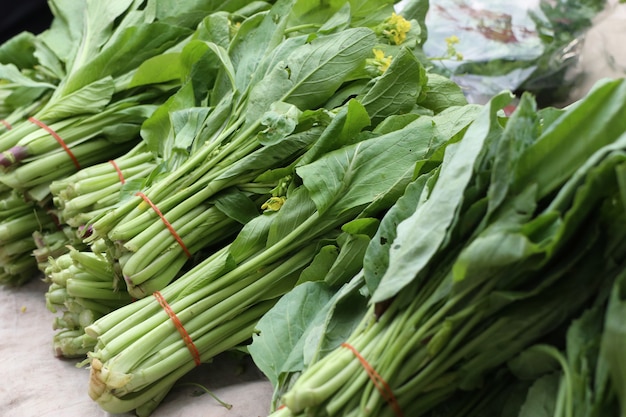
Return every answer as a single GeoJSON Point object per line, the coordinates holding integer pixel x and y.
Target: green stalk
{"type": "Point", "coordinates": [219, 341]}
{"type": "Point", "coordinates": [58, 164]}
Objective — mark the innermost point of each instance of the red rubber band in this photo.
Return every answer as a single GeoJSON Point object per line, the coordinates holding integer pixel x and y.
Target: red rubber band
{"type": "Point", "coordinates": [56, 136]}
{"type": "Point", "coordinates": [119, 171]}
{"type": "Point", "coordinates": [179, 326]}
{"type": "Point", "coordinates": [166, 223]}
{"type": "Point", "coordinates": [380, 384]}
{"type": "Point", "coordinates": [6, 124]}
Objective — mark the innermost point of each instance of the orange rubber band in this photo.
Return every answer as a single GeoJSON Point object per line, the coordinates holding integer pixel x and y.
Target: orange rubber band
{"type": "Point", "coordinates": [166, 223]}
{"type": "Point", "coordinates": [380, 384]}
{"type": "Point", "coordinates": [56, 136]}
{"type": "Point", "coordinates": [179, 326]}
{"type": "Point", "coordinates": [119, 171]}
{"type": "Point", "coordinates": [6, 124]}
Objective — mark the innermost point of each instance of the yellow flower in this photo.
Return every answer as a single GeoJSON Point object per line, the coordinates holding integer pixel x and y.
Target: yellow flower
{"type": "Point", "coordinates": [395, 28]}
{"type": "Point", "coordinates": [273, 204]}
{"type": "Point", "coordinates": [452, 40]}
{"type": "Point", "coordinates": [381, 62]}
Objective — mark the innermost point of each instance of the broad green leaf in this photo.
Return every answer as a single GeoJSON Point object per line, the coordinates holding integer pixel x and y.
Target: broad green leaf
{"type": "Point", "coordinates": [100, 17]}
{"type": "Point", "coordinates": [236, 205]}
{"type": "Point", "coordinates": [91, 98]}
{"type": "Point", "coordinates": [397, 90]}
{"type": "Point", "coordinates": [532, 364]}
{"type": "Point", "coordinates": [363, 173]}
{"type": "Point", "coordinates": [19, 50]}
{"type": "Point", "coordinates": [279, 341]}
{"type": "Point", "coordinates": [352, 243]}
{"type": "Point", "coordinates": [376, 257]}
{"type": "Point", "coordinates": [24, 96]}
{"type": "Point", "coordinates": [158, 69]}
{"type": "Point", "coordinates": [256, 39]}
{"type": "Point", "coordinates": [395, 122]}
{"type": "Point", "coordinates": [542, 395]}
{"type": "Point", "coordinates": [66, 31]}
{"type": "Point", "coordinates": [338, 21]}
{"type": "Point", "coordinates": [186, 124]}
{"type": "Point", "coordinates": [215, 28]}
{"type": "Point", "coordinates": [157, 129]}
{"type": "Point", "coordinates": [47, 59]}
{"type": "Point", "coordinates": [132, 47]}
{"type": "Point", "coordinates": [280, 120]}
{"type": "Point", "coordinates": [11, 73]}
{"type": "Point", "coordinates": [321, 264]}
{"type": "Point", "coordinates": [370, 12]}
{"type": "Point", "coordinates": [440, 93]}
{"type": "Point", "coordinates": [191, 12]}
{"type": "Point", "coordinates": [312, 72]}
{"type": "Point", "coordinates": [614, 340]}
{"type": "Point", "coordinates": [342, 130]}
{"type": "Point", "coordinates": [297, 208]}
{"type": "Point", "coordinates": [521, 131]}
{"type": "Point", "coordinates": [252, 238]}
{"type": "Point", "coordinates": [409, 254]}
{"type": "Point", "coordinates": [599, 118]}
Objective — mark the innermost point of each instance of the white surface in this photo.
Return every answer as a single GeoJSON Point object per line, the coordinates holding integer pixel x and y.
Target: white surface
{"type": "Point", "coordinates": [34, 383]}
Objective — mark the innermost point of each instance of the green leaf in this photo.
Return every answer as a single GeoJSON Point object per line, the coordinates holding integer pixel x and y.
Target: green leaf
{"type": "Point", "coordinates": [158, 69]}
{"type": "Point", "coordinates": [341, 131]}
{"type": "Point", "coordinates": [215, 28]}
{"type": "Point", "coordinates": [280, 338]}
{"type": "Point", "coordinates": [186, 124]}
{"type": "Point", "coordinates": [157, 129]}
{"type": "Point", "coordinates": [255, 39]}
{"type": "Point", "coordinates": [376, 257]}
{"type": "Point", "coordinates": [312, 72]}
{"type": "Point", "coordinates": [279, 121]}
{"type": "Point", "coordinates": [338, 21]}
{"type": "Point", "coordinates": [252, 238]}
{"type": "Point", "coordinates": [521, 131]}
{"type": "Point", "coordinates": [297, 208]}
{"type": "Point", "coordinates": [236, 205]}
{"type": "Point", "coordinates": [321, 264]}
{"type": "Point", "coordinates": [408, 256]}
{"type": "Point", "coordinates": [359, 174]}
{"type": "Point", "coordinates": [19, 50]}
{"type": "Point", "coordinates": [614, 340]}
{"type": "Point", "coordinates": [191, 12]}
{"type": "Point", "coordinates": [281, 153]}
{"type": "Point", "coordinates": [92, 98]}
{"type": "Point", "coordinates": [440, 93]}
{"type": "Point", "coordinates": [397, 90]}
{"type": "Point", "coordinates": [352, 243]}
{"type": "Point", "coordinates": [532, 364]}
{"type": "Point", "coordinates": [126, 52]}
{"type": "Point", "coordinates": [599, 118]}
{"type": "Point", "coordinates": [541, 399]}
{"type": "Point", "coordinates": [11, 73]}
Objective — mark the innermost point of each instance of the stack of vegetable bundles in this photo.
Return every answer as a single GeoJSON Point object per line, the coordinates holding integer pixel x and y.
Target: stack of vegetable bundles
{"type": "Point", "coordinates": [290, 178]}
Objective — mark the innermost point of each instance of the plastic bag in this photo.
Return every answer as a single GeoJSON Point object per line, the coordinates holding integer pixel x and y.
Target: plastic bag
{"type": "Point", "coordinates": [487, 46]}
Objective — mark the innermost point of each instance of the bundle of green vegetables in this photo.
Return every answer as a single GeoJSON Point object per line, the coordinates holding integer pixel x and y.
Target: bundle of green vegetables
{"type": "Point", "coordinates": [257, 117]}
{"type": "Point", "coordinates": [358, 155]}
{"type": "Point", "coordinates": [501, 248]}
{"type": "Point", "coordinates": [78, 92]}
